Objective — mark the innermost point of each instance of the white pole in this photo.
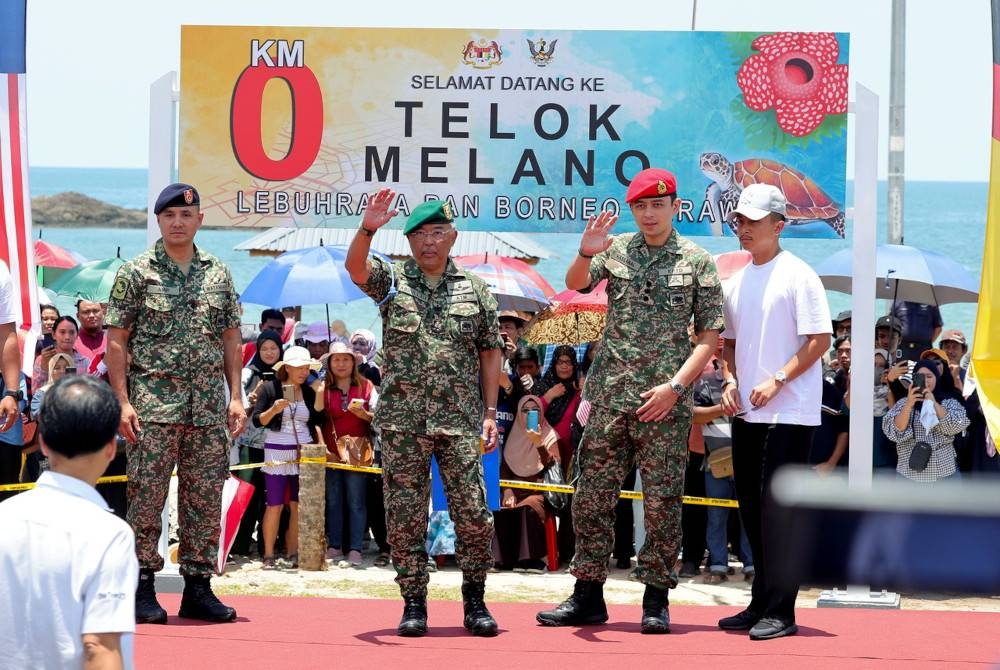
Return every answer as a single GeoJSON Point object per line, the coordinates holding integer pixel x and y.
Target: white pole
{"type": "Point", "coordinates": [163, 98]}
{"type": "Point", "coordinates": [863, 287]}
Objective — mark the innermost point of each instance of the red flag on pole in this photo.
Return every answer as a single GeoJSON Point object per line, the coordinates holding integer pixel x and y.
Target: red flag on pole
{"type": "Point", "coordinates": [15, 200]}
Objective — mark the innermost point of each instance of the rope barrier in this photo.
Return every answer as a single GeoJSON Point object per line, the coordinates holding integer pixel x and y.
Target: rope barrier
{"type": "Point", "coordinates": [504, 483]}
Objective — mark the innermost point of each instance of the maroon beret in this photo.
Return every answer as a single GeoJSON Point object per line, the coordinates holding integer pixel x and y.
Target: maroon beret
{"type": "Point", "coordinates": [651, 183]}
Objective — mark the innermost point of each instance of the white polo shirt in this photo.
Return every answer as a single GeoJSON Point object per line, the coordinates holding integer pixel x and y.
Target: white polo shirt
{"type": "Point", "coordinates": [770, 311]}
{"type": "Point", "coordinates": [67, 568]}
{"type": "Point", "coordinates": [8, 304]}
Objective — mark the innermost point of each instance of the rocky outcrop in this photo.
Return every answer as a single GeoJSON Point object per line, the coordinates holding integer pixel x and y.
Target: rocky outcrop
{"type": "Point", "coordinates": [78, 210]}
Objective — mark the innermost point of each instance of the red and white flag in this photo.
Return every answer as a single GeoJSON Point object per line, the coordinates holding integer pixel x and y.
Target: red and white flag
{"type": "Point", "coordinates": [15, 200]}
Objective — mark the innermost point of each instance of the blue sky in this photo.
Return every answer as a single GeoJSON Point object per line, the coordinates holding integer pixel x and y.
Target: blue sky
{"type": "Point", "coordinates": [90, 64]}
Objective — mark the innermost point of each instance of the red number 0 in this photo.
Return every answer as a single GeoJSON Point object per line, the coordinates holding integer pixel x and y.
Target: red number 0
{"type": "Point", "coordinates": [307, 122]}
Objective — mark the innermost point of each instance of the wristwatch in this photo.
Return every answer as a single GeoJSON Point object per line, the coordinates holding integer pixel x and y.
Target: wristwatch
{"type": "Point", "coordinates": [369, 233]}
{"type": "Point", "coordinates": [678, 388]}
{"type": "Point", "coordinates": [780, 377]}
{"type": "Point", "coordinates": [17, 395]}
{"type": "Point", "coordinates": [731, 380]}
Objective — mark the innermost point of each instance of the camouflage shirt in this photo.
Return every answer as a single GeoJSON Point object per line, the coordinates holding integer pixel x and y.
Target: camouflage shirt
{"type": "Point", "coordinates": [652, 295]}
{"type": "Point", "coordinates": [175, 341]}
{"type": "Point", "coordinates": [431, 339]}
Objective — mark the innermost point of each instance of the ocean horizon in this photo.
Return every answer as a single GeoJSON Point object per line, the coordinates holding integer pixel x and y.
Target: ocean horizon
{"type": "Point", "coordinates": [943, 216]}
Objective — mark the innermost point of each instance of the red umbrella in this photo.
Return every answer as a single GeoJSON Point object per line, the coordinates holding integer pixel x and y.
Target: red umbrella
{"type": "Point", "coordinates": [506, 262]}
{"type": "Point", "coordinates": [48, 255]}
{"type": "Point", "coordinates": [236, 495]}
{"type": "Point", "coordinates": [731, 262]}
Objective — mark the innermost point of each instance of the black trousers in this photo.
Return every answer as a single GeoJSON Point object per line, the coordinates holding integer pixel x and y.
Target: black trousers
{"type": "Point", "coordinates": [759, 449]}
{"type": "Point", "coordinates": [694, 518]}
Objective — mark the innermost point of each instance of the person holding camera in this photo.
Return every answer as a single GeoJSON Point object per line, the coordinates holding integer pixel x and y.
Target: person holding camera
{"type": "Point", "coordinates": [286, 407]}
{"type": "Point", "coordinates": [442, 349]}
{"type": "Point", "coordinates": [62, 340]}
{"type": "Point", "coordinates": [924, 425]}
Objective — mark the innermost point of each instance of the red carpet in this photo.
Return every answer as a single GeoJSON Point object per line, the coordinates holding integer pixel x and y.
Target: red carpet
{"type": "Point", "coordinates": [333, 633]}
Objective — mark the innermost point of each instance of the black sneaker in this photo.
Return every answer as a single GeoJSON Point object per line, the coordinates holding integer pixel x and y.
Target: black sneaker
{"type": "Point", "coordinates": [689, 569]}
{"type": "Point", "coordinates": [771, 627]}
{"type": "Point", "coordinates": [745, 620]}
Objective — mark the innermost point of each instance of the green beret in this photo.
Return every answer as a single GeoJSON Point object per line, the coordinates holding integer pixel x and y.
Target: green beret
{"type": "Point", "coordinates": [432, 211]}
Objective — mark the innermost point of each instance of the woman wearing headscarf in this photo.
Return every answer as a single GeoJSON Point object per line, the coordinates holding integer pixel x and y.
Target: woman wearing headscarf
{"type": "Point", "coordinates": [520, 523]}
{"type": "Point", "coordinates": [559, 390]}
{"type": "Point", "coordinates": [365, 348]}
{"type": "Point", "coordinates": [250, 443]}
{"type": "Point", "coordinates": [930, 416]}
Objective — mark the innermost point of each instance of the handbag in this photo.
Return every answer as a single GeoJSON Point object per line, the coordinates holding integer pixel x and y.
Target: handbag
{"type": "Point", "coordinates": [920, 457]}
{"type": "Point", "coordinates": [720, 462]}
{"type": "Point", "coordinates": [554, 475]}
{"type": "Point", "coordinates": [355, 451]}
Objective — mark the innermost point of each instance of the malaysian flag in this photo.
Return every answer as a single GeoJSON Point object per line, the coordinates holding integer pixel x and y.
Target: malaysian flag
{"type": "Point", "coordinates": [15, 202]}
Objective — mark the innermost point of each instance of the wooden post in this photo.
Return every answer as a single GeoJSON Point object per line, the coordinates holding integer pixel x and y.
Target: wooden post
{"type": "Point", "coordinates": [312, 507]}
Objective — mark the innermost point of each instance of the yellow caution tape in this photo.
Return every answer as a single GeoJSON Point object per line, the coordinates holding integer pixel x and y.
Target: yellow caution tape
{"type": "Point", "coordinates": [505, 483]}
{"type": "Point", "coordinates": [629, 495]}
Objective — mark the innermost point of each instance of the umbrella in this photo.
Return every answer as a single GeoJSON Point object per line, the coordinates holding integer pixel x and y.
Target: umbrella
{"type": "Point", "coordinates": [48, 255]}
{"type": "Point", "coordinates": [512, 288]}
{"type": "Point", "coordinates": [236, 495]}
{"type": "Point", "coordinates": [92, 280]}
{"type": "Point", "coordinates": [572, 318]}
{"type": "Point", "coordinates": [730, 262]}
{"type": "Point", "coordinates": [310, 276]}
{"type": "Point", "coordinates": [515, 264]}
{"type": "Point", "coordinates": [904, 273]}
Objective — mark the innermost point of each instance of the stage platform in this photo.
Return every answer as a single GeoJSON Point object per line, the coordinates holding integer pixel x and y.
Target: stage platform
{"type": "Point", "coordinates": [284, 632]}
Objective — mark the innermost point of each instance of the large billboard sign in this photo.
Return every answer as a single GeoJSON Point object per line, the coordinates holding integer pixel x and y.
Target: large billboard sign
{"type": "Point", "coordinates": [527, 130]}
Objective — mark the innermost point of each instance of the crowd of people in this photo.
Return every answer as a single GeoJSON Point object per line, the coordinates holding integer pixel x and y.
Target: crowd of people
{"type": "Point", "coordinates": [700, 385]}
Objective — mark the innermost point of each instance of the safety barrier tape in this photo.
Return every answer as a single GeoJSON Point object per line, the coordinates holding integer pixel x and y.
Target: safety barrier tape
{"type": "Point", "coordinates": [505, 483]}
{"type": "Point", "coordinates": [630, 495]}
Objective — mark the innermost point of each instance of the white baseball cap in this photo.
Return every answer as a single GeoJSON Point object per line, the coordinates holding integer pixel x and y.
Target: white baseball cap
{"type": "Point", "coordinates": [759, 200]}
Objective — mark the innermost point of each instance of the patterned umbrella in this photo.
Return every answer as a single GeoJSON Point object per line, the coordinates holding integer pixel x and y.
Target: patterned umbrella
{"type": "Point", "coordinates": [573, 318]}
{"type": "Point", "coordinates": [513, 289]}
{"type": "Point", "coordinates": [507, 262]}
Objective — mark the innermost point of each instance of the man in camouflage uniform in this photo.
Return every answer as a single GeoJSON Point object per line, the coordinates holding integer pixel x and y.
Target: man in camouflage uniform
{"type": "Point", "coordinates": [173, 341]}
{"type": "Point", "coordinates": [638, 386]}
{"type": "Point", "coordinates": [442, 347]}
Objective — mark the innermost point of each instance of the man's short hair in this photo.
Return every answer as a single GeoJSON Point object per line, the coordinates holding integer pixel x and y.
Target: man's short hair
{"type": "Point", "coordinates": [525, 353]}
{"type": "Point", "coordinates": [840, 340]}
{"type": "Point", "coordinates": [79, 415]}
{"type": "Point", "coordinates": [269, 314]}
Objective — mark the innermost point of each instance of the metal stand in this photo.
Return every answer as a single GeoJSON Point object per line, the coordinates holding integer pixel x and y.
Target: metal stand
{"type": "Point", "coordinates": [858, 597]}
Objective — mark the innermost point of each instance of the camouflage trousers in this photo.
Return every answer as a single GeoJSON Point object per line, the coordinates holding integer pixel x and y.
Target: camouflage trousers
{"type": "Point", "coordinates": [612, 442]}
{"type": "Point", "coordinates": [201, 454]}
{"type": "Point", "coordinates": [406, 466]}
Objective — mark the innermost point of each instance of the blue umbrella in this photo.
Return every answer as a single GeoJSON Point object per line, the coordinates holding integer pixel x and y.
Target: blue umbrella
{"type": "Point", "coordinates": [312, 276]}
{"type": "Point", "coordinates": [904, 273]}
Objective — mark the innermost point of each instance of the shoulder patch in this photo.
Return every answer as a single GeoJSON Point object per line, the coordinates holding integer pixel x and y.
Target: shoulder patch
{"type": "Point", "coordinates": [120, 289]}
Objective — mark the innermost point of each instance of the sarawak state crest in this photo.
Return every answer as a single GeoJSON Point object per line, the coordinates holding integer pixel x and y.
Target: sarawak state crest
{"type": "Point", "coordinates": [542, 52]}
{"type": "Point", "coordinates": [482, 55]}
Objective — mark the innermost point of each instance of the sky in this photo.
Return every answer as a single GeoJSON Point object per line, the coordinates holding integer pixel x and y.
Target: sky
{"type": "Point", "coordinates": [90, 64]}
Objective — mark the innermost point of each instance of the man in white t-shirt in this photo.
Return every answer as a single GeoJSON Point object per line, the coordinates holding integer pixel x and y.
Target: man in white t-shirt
{"type": "Point", "coordinates": [777, 328]}
{"type": "Point", "coordinates": [10, 357]}
{"type": "Point", "coordinates": [67, 564]}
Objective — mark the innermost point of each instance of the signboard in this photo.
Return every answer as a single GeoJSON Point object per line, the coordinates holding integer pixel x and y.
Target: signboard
{"type": "Point", "coordinates": [522, 130]}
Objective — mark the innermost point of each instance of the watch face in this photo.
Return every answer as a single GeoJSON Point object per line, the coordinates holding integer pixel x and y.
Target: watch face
{"type": "Point", "coordinates": [780, 376]}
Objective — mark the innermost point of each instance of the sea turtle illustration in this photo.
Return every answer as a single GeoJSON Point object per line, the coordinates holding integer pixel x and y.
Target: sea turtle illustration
{"type": "Point", "coordinates": [806, 200]}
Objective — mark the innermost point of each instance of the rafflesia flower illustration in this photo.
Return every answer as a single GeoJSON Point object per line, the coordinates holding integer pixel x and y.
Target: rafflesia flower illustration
{"type": "Point", "coordinates": [797, 75]}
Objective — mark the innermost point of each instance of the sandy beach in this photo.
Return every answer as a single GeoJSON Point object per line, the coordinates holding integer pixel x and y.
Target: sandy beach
{"type": "Point", "coordinates": [245, 577]}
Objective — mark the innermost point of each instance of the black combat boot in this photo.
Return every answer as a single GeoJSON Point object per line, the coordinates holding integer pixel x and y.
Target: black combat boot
{"type": "Point", "coordinates": [655, 615]}
{"type": "Point", "coordinates": [585, 607]}
{"type": "Point", "coordinates": [414, 621]}
{"type": "Point", "coordinates": [198, 601]}
{"type": "Point", "coordinates": [147, 609]}
{"type": "Point", "coordinates": [478, 619]}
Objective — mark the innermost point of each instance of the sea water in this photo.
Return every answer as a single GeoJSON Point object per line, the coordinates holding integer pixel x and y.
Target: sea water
{"type": "Point", "coordinates": [946, 217]}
